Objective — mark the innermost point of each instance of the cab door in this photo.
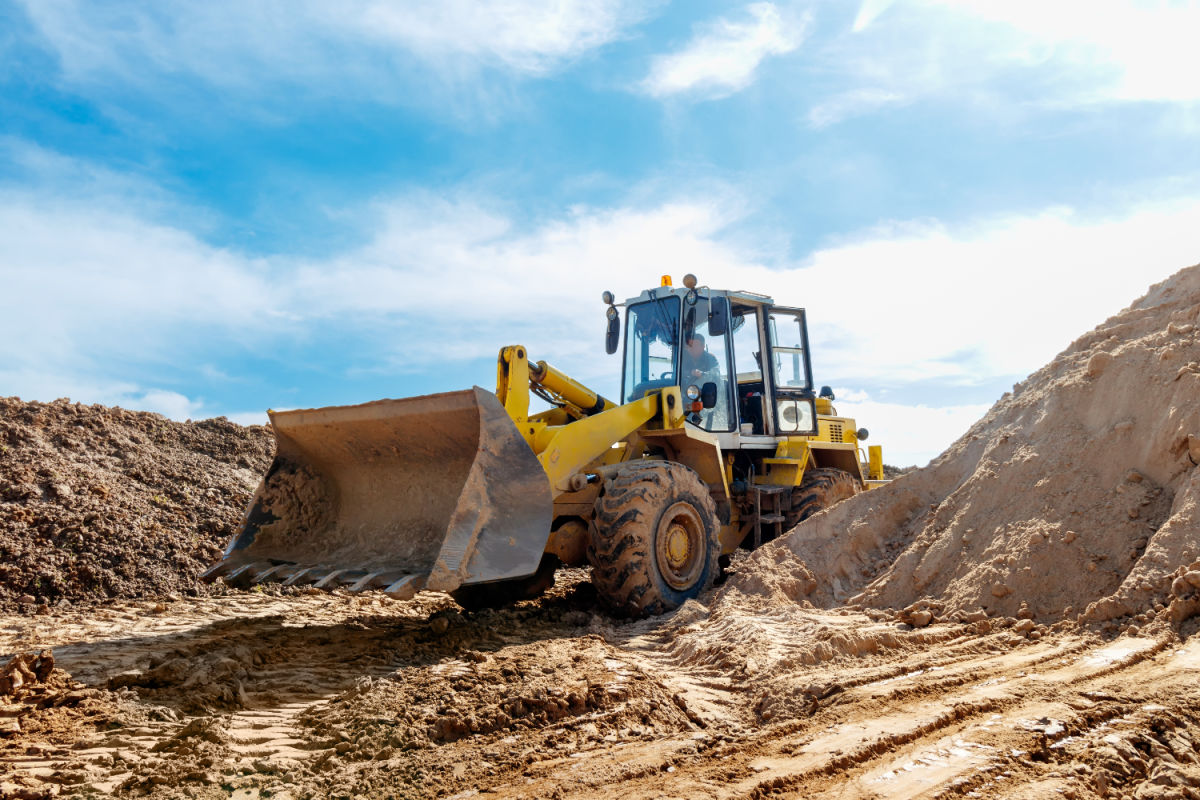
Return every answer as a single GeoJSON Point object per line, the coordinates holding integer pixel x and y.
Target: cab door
{"type": "Point", "coordinates": [704, 361]}
{"type": "Point", "coordinates": [750, 381]}
{"type": "Point", "coordinates": [790, 372]}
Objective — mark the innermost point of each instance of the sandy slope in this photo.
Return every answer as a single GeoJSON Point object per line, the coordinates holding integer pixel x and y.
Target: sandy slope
{"type": "Point", "coordinates": [1076, 494]}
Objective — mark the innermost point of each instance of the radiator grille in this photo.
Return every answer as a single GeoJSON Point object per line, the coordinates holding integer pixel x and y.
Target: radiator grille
{"type": "Point", "coordinates": [835, 431]}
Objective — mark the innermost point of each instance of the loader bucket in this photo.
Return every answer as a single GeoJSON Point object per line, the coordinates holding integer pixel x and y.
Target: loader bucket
{"type": "Point", "coordinates": [429, 492]}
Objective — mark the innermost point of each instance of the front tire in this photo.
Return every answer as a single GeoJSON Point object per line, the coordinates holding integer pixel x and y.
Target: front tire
{"type": "Point", "coordinates": [655, 541]}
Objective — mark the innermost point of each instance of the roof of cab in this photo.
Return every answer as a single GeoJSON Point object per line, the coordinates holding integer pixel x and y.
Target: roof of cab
{"type": "Point", "coordinates": [740, 295]}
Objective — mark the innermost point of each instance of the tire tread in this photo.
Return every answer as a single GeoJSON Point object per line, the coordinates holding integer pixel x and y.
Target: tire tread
{"type": "Point", "coordinates": [821, 489]}
{"type": "Point", "coordinates": [621, 549]}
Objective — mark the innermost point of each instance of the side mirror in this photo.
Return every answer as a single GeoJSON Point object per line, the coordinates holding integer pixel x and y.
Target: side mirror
{"type": "Point", "coordinates": [708, 395]}
{"type": "Point", "coordinates": [689, 323]}
{"type": "Point", "coordinates": [718, 318]}
{"type": "Point", "coordinates": [613, 336]}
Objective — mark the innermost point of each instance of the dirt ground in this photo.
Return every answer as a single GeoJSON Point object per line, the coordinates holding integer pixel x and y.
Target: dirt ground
{"type": "Point", "coordinates": [1017, 619]}
{"type": "Point", "coordinates": [317, 695]}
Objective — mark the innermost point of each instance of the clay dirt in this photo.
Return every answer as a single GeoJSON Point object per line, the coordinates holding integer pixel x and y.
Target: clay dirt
{"type": "Point", "coordinates": [1016, 619]}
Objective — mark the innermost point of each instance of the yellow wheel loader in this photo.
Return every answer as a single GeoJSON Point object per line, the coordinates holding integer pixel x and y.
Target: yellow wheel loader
{"type": "Point", "coordinates": [718, 441]}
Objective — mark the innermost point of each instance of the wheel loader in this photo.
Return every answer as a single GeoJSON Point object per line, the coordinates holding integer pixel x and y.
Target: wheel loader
{"type": "Point", "coordinates": [717, 441]}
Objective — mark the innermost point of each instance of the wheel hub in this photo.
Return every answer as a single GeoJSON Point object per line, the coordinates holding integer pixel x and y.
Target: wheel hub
{"type": "Point", "coordinates": [679, 546]}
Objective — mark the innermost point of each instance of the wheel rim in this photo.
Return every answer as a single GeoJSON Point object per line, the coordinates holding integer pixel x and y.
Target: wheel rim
{"type": "Point", "coordinates": [679, 546]}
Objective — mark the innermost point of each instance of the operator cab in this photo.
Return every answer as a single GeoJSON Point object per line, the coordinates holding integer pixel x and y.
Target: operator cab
{"type": "Point", "coordinates": [710, 343]}
{"type": "Point", "coordinates": [760, 327]}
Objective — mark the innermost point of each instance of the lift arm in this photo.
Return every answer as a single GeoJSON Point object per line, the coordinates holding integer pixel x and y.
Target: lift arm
{"type": "Point", "coordinates": [583, 425]}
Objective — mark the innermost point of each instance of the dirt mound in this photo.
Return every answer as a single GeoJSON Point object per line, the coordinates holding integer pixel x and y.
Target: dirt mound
{"type": "Point", "coordinates": [36, 697]}
{"type": "Point", "coordinates": [39, 702]}
{"type": "Point", "coordinates": [102, 502]}
{"type": "Point", "coordinates": [1075, 496]}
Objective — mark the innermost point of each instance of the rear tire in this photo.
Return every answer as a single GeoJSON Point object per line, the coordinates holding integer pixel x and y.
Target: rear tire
{"type": "Point", "coordinates": [821, 489]}
{"type": "Point", "coordinates": [655, 540]}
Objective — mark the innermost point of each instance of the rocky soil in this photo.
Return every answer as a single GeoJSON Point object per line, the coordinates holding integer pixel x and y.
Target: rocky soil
{"type": "Point", "coordinates": [100, 502]}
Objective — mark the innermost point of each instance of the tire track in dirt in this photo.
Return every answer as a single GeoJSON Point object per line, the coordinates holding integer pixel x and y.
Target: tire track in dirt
{"type": "Point", "coordinates": [95, 643]}
{"type": "Point", "coordinates": [725, 737]}
{"type": "Point", "coordinates": [363, 696]}
{"type": "Point", "coordinates": [806, 661]}
{"type": "Point", "coordinates": [222, 679]}
{"type": "Point", "coordinates": [996, 755]}
{"type": "Point", "coordinates": [922, 730]}
{"type": "Point", "coordinates": [243, 693]}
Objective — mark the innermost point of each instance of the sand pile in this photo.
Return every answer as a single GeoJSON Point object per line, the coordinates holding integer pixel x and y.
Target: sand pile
{"type": "Point", "coordinates": [101, 502]}
{"type": "Point", "coordinates": [1075, 496]}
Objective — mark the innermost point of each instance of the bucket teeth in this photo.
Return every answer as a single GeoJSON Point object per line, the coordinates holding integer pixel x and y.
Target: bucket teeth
{"type": "Point", "coordinates": [271, 573]}
{"type": "Point", "coordinates": [330, 581]}
{"type": "Point", "coordinates": [242, 576]}
{"type": "Point", "coordinates": [406, 587]}
{"type": "Point", "coordinates": [371, 580]}
{"type": "Point", "coordinates": [215, 571]}
{"type": "Point", "coordinates": [298, 576]}
{"type": "Point", "coordinates": [399, 585]}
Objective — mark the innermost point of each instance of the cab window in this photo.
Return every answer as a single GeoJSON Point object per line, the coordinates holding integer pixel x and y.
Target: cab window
{"type": "Point", "coordinates": [788, 355]}
{"type": "Point", "coordinates": [703, 360]}
{"type": "Point", "coordinates": [652, 329]}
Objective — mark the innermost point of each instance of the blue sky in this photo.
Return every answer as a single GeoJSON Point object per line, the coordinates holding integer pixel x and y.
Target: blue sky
{"type": "Point", "coordinates": [214, 208]}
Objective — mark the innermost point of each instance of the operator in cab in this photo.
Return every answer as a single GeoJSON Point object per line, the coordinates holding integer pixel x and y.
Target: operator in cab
{"type": "Point", "coordinates": [696, 364]}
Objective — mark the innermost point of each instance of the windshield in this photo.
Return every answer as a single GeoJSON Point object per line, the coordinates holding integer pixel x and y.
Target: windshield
{"type": "Point", "coordinates": [652, 329]}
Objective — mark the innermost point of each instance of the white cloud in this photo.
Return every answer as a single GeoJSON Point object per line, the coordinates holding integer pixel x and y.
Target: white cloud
{"type": "Point", "coordinates": [45, 384]}
{"type": "Point", "coordinates": [868, 11]}
{"type": "Point", "coordinates": [170, 404]}
{"type": "Point", "coordinates": [454, 266]}
{"type": "Point", "coordinates": [1007, 54]}
{"type": "Point", "coordinates": [83, 279]}
{"type": "Point", "coordinates": [1145, 50]}
{"type": "Point", "coordinates": [723, 56]}
{"type": "Point", "coordinates": [526, 35]}
{"type": "Point", "coordinates": [998, 297]}
{"type": "Point", "coordinates": [96, 292]}
{"type": "Point", "coordinates": [97, 288]}
{"type": "Point", "coordinates": [348, 47]}
{"type": "Point", "coordinates": [93, 289]}
{"type": "Point", "coordinates": [852, 103]}
{"type": "Point", "coordinates": [910, 435]}
{"type": "Point", "coordinates": [247, 417]}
